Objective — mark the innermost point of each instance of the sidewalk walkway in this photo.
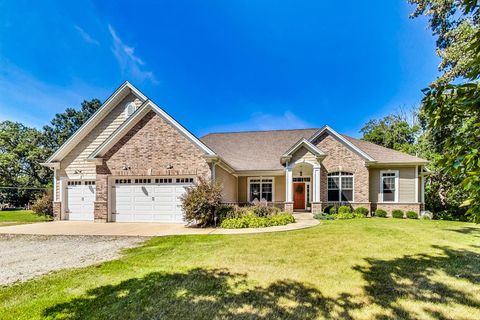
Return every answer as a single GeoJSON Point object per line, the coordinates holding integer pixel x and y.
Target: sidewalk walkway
{"type": "Point", "coordinates": [88, 228]}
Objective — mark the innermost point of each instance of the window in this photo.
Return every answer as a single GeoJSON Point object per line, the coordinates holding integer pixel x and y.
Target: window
{"type": "Point", "coordinates": [163, 180]}
{"type": "Point", "coordinates": [389, 186]}
{"type": "Point", "coordinates": [301, 179]}
{"type": "Point", "coordinates": [123, 181]}
{"type": "Point", "coordinates": [340, 186]}
{"type": "Point", "coordinates": [184, 180]}
{"type": "Point", "coordinates": [260, 189]}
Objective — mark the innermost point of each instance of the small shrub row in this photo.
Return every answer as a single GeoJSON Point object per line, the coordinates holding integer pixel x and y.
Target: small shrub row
{"type": "Point", "coordinates": [397, 213]}
{"type": "Point", "coordinates": [253, 221]}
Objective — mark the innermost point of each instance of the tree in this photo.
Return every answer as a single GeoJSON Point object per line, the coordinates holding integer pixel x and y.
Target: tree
{"type": "Point", "coordinates": [21, 152]}
{"type": "Point", "coordinates": [63, 125]}
{"type": "Point", "coordinates": [452, 102]}
{"type": "Point", "coordinates": [393, 131]}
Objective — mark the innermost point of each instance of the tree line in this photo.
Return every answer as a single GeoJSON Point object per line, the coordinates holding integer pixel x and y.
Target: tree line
{"type": "Point", "coordinates": [445, 129]}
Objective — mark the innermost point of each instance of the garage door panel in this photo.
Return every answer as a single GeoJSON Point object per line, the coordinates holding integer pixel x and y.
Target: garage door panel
{"type": "Point", "coordinates": [149, 202]}
{"type": "Point", "coordinates": [80, 201]}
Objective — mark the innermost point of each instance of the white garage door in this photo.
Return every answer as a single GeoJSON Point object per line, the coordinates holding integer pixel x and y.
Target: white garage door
{"type": "Point", "coordinates": [80, 199]}
{"type": "Point", "coordinates": [148, 200]}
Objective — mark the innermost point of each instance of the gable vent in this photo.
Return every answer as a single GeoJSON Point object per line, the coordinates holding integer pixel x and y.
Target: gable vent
{"type": "Point", "coordinates": [130, 109]}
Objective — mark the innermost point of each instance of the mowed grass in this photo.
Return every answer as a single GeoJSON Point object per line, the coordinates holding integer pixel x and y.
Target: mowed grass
{"type": "Point", "coordinates": [361, 269]}
{"type": "Point", "coordinates": [11, 217]}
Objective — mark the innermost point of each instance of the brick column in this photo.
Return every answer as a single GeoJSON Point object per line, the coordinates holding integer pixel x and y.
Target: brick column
{"type": "Point", "coordinates": [101, 198]}
{"type": "Point", "coordinates": [57, 210]}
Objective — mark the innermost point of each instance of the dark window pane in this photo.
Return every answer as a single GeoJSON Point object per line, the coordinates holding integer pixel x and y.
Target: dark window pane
{"type": "Point", "coordinates": [347, 195]}
{"type": "Point", "coordinates": [255, 191]}
{"type": "Point", "coordinates": [388, 195]}
{"type": "Point", "coordinates": [333, 195]}
{"type": "Point", "coordinates": [267, 191]}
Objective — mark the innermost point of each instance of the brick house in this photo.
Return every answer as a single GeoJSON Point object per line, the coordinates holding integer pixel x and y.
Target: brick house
{"type": "Point", "coordinates": [131, 161]}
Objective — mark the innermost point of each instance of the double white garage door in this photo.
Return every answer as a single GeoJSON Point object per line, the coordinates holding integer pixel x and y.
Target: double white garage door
{"type": "Point", "coordinates": [136, 200]}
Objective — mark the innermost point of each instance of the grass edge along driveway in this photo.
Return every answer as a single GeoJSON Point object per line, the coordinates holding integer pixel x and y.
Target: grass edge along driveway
{"type": "Point", "coordinates": [13, 217]}
{"type": "Point", "coordinates": [362, 269]}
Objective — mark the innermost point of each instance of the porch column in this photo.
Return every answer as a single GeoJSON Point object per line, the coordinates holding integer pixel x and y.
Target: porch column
{"type": "Point", "coordinates": [288, 189]}
{"type": "Point", "coordinates": [316, 184]}
{"type": "Point", "coordinates": [288, 184]}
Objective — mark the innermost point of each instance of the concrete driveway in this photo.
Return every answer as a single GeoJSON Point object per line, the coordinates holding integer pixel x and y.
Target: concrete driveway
{"type": "Point", "coordinates": [87, 228]}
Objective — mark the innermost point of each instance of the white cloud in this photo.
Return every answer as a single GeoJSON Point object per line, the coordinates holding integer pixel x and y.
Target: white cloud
{"type": "Point", "coordinates": [265, 121]}
{"type": "Point", "coordinates": [130, 64]}
{"type": "Point", "coordinates": [85, 36]}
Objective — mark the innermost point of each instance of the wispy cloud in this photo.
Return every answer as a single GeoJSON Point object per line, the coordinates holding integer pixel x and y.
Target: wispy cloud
{"type": "Point", "coordinates": [27, 99]}
{"type": "Point", "coordinates": [85, 36]}
{"type": "Point", "coordinates": [264, 121]}
{"type": "Point", "coordinates": [130, 64]}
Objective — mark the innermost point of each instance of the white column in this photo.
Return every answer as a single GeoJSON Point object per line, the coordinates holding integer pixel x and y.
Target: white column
{"type": "Point", "coordinates": [416, 184]}
{"type": "Point", "coordinates": [316, 184]}
{"type": "Point", "coordinates": [288, 184]}
{"type": "Point", "coordinates": [54, 184]}
{"type": "Point", "coordinates": [423, 189]}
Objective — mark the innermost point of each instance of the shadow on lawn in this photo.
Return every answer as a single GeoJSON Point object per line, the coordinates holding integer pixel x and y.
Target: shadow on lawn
{"type": "Point", "coordinates": [218, 294]}
{"type": "Point", "coordinates": [412, 278]}
{"type": "Point", "coordinates": [467, 230]}
{"type": "Point", "coordinates": [199, 294]}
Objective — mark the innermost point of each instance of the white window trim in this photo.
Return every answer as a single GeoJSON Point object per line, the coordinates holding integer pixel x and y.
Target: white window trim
{"type": "Point", "coordinates": [397, 179]}
{"type": "Point", "coordinates": [248, 186]}
{"type": "Point", "coordinates": [340, 182]}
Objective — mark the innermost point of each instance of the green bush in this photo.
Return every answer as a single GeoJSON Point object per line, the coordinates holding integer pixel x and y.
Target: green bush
{"type": "Point", "coordinates": [361, 210]}
{"type": "Point", "coordinates": [380, 213]}
{"type": "Point", "coordinates": [397, 213]}
{"type": "Point", "coordinates": [44, 205]}
{"type": "Point", "coordinates": [343, 216]}
{"type": "Point", "coordinates": [412, 215]}
{"type": "Point", "coordinates": [225, 211]}
{"type": "Point", "coordinates": [332, 210]}
{"type": "Point", "coordinates": [261, 210]}
{"type": "Point", "coordinates": [201, 201]}
{"type": "Point", "coordinates": [323, 216]}
{"type": "Point", "coordinates": [252, 221]}
{"type": "Point", "coordinates": [344, 209]}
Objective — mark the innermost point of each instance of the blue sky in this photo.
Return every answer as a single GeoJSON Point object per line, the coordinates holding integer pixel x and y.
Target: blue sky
{"type": "Point", "coordinates": [217, 65]}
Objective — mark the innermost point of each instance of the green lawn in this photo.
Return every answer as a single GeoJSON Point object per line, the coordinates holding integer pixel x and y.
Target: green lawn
{"type": "Point", "coordinates": [11, 217]}
{"type": "Point", "coordinates": [363, 269]}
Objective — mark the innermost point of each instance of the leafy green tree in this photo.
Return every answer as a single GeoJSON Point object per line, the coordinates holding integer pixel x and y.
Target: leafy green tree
{"type": "Point", "coordinates": [394, 131]}
{"type": "Point", "coordinates": [64, 124]}
{"type": "Point", "coordinates": [21, 152]}
{"type": "Point", "coordinates": [452, 102]}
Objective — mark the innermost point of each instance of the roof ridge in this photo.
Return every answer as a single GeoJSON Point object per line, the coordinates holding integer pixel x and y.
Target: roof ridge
{"type": "Point", "coordinates": [251, 131]}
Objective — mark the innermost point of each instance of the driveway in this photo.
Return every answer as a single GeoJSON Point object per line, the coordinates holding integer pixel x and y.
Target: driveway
{"type": "Point", "coordinates": [303, 220]}
{"type": "Point", "coordinates": [23, 257]}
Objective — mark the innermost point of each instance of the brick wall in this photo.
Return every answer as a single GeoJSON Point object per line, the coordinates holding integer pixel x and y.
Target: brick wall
{"type": "Point", "coordinates": [341, 158]}
{"type": "Point", "coordinates": [146, 150]}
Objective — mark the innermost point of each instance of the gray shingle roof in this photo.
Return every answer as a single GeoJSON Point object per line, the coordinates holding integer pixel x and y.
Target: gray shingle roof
{"type": "Point", "coordinates": [261, 150]}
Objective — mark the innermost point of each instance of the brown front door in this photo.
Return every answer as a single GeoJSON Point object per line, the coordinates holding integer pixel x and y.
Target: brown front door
{"type": "Point", "coordinates": [299, 195]}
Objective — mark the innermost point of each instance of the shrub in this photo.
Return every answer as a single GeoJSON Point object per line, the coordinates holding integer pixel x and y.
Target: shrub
{"type": "Point", "coordinates": [343, 216]}
{"type": "Point", "coordinates": [332, 210]}
{"type": "Point", "coordinates": [261, 210]}
{"type": "Point", "coordinates": [44, 205]}
{"type": "Point", "coordinates": [412, 215]}
{"type": "Point", "coordinates": [252, 221]}
{"type": "Point", "coordinates": [323, 216]}
{"type": "Point", "coordinates": [380, 213]}
{"type": "Point", "coordinates": [361, 210]}
{"type": "Point", "coordinates": [344, 209]}
{"type": "Point", "coordinates": [358, 215]}
{"type": "Point", "coordinates": [397, 213]}
{"type": "Point", "coordinates": [201, 201]}
{"type": "Point", "coordinates": [224, 211]}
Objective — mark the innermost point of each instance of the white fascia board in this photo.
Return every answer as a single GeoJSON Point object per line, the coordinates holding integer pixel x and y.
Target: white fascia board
{"type": "Point", "coordinates": [343, 140]}
{"type": "Point", "coordinates": [92, 122]}
{"type": "Point", "coordinates": [134, 119]}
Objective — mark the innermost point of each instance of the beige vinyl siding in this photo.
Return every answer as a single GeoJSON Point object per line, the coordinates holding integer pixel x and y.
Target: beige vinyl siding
{"type": "Point", "coordinates": [303, 154]}
{"type": "Point", "coordinates": [242, 189]}
{"type": "Point", "coordinates": [229, 183]}
{"type": "Point", "coordinates": [76, 159]}
{"type": "Point", "coordinates": [406, 184]}
{"type": "Point", "coordinates": [279, 189]}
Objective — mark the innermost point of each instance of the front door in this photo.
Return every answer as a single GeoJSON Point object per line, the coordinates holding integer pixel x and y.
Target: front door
{"type": "Point", "coordinates": [299, 195]}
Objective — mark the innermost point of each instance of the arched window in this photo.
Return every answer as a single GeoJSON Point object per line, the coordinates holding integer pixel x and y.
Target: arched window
{"type": "Point", "coordinates": [340, 186]}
